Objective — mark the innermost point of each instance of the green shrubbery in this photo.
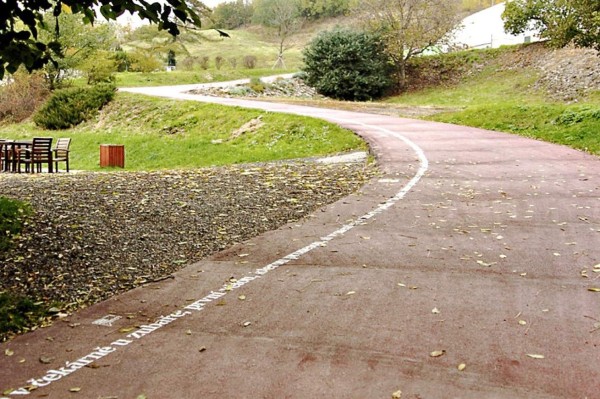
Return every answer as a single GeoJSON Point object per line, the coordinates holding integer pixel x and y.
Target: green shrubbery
{"type": "Point", "coordinates": [347, 65]}
{"type": "Point", "coordinates": [70, 107]}
{"type": "Point", "coordinates": [12, 215]}
{"type": "Point", "coordinates": [18, 314]}
{"type": "Point", "coordinates": [574, 116]}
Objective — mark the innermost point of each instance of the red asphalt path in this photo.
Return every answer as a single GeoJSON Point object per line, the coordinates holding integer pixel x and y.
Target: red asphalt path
{"type": "Point", "coordinates": [474, 245]}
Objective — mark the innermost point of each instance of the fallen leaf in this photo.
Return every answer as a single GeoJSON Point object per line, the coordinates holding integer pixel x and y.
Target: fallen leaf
{"type": "Point", "coordinates": [75, 389]}
{"type": "Point", "coordinates": [482, 263]}
{"type": "Point", "coordinates": [584, 274]}
{"type": "Point", "coordinates": [188, 332]}
{"type": "Point", "coordinates": [397, 395]}
{"type": "Point", "coordinates": [46, 359]}
{"type": "Point", "coordinates": [243, 255]}
{"type": "Point", "coordinates": [461, 367]}
{"type": "Point", "coordinates": [594, 289]}
{"type": "Point", "coordinates": [202, 349]}
{"type": "Point", "coordinates": [8, 352]}
{"type": "Point", "coordinates": [522, 322]}
{"type": "Point", "coordinates": [242, 297]}
{"type": "Point", "coordinates": [437, 353]}
{"type": "Point", "coordinates": [247, 324]}
{"type": "Point", "coordinates": [535, 356]}
{"type": "Point", "coordinates": [435, 311]}
{"type": "Point", "coordinates": [126, 330]}
{"type": "Point", "coordinates": [402, 285]}
{"type": "Point", "coordinates": [351, 293]}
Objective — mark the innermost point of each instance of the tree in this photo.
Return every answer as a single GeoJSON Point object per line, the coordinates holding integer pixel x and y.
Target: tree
{"type": "Point", "coordinates": [78, 42]}
{"type": "Point", "coordinates": [20, 24]}
{"type": "Point", "coordinates": [232, 14]}
{"type": "Point", "coordinates": [560, 21]}
{"type": "Point", "coordinates": [283, 17]}
{"type": "Point", "coordinates": [315, 9]}
{"type": "Point", "coordinates": [347, 65]}
{"type": "Point", "coordinates": [409, 27]}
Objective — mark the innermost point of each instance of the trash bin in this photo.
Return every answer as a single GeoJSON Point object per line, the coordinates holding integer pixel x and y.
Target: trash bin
{"type": "Point", "coordinates": [112, 155]}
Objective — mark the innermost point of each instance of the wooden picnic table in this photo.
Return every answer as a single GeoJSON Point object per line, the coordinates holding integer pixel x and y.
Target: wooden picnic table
{"type": "Point", "coordinates": [10, 151]}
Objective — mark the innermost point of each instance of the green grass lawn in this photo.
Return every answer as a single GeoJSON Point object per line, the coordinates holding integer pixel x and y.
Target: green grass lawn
{"type": "Point", "coordinates": [163, 78]}
{"type": "Point", "coordinates": [169, 134]}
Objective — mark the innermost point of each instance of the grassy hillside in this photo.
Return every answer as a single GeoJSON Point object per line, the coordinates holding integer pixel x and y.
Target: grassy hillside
{"type": "Point", "coordinates": [169, 134]}
{"type": "Point", "coordinates": [511, 91]}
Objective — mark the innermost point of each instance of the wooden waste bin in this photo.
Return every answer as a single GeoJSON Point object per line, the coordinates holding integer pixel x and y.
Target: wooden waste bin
{"type": "Point", "coordinates": [112, 155]}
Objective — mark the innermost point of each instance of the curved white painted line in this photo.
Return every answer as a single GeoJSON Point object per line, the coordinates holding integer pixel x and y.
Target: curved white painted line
{"type": "Point", "coordinates": [103, 351]}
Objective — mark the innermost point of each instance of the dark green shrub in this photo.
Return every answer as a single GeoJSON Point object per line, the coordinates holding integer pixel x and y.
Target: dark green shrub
{"type": "Point", "coordinates": [18, 314]}
{"type": "Point", "coordinates": [347, 65]}
{"type": "Point", "coordinates": [70, 107]}
{"type": "Point", "coordinates": [12, 216]}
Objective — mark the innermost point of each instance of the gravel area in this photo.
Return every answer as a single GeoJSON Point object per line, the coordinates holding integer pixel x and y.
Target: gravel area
{"type": "Point", "coordinates": [94, 235]}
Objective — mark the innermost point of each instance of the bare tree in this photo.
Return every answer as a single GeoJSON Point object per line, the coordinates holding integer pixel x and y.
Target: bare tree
{"type": "Point", "coordinates": [283, 18]}
{"type": "Point", "coordinates": [409, 27]}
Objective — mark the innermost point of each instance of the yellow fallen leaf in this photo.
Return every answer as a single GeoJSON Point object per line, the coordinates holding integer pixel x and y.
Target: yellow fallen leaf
{"type": "Point", "coordinates": [522, 322]}
{"type": "Point", "coordinates": [397, 395]}
{"type": "Point", "coordinates": [351, 293]}
{"type": "Point", "coordinates": [126, 330]}
{"type": "Point", "coordinates": [461, 367]}
{"type": "Point", "coordinates": [435, 311]}
{"type": "Point", "coordinates": [243, 255]}
{"type": "Point", "coordinates": [437, 353]}
{"type": "Point", "coordinates": [594, 289]}
{"type": "Point", "coordinates": [402, 285]}
{"type": "Point", "coordinates": [535, 356]}
{"type": "Point", "coordinates": [75, 389]}
{"type": "Point", "coordinates": [242, 297]}
{"type": "Point", "coordinates": [8, 352]}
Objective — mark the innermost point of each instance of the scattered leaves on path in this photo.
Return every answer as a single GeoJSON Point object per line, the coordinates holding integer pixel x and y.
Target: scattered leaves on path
{"type": "Point", "coordinates": [87, 227]}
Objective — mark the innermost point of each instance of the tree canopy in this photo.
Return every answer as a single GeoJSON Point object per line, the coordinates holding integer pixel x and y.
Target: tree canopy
{"type": "Point", "coordinates": [409, 27]}
{"type": "Point", "coordinates": [560, 21]}
{"type": "Point", "coordinates": [21, 20]}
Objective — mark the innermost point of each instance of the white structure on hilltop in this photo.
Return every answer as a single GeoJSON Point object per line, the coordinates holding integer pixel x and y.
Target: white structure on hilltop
{"type": "Point", "coordinates": [485, 29]}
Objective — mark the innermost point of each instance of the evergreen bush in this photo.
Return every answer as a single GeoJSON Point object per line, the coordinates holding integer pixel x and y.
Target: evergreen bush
{"type": "Point", "coordinates": [347, 65]}
{"type": "Point", "coordinates": [70, 107]}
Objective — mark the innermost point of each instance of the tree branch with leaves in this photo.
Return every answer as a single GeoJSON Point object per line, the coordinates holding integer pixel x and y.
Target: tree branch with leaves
{"type": "Point", "coordinates": [561, 22]}
{"type": "Point", "coordinates": [20, 23]}
{"type": "Point", "coordinates": [409, 27]}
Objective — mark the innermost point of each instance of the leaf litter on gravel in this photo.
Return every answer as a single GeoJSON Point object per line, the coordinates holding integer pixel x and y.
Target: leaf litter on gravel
{"type": "Point", "coordinates": [94, 235]}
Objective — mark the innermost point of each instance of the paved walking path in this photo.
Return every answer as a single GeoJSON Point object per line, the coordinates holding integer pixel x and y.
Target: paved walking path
{"type": "Point", "coordinates": [473, 246]}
